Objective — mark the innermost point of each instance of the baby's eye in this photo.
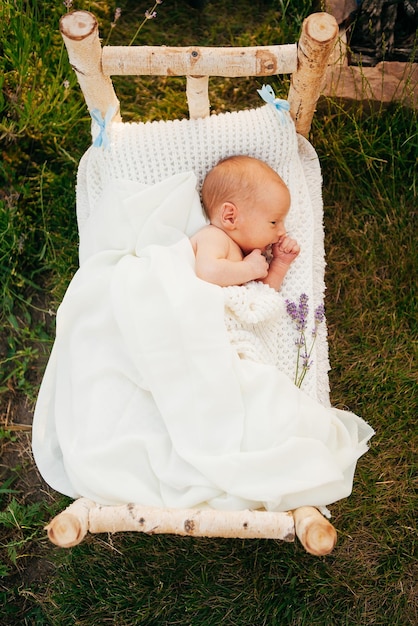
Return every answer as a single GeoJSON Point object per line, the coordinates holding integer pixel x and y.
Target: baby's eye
{"type": "Point", "coordinates": [274, 223]}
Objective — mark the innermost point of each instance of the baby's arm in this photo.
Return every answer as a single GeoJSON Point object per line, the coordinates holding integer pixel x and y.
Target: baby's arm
{"type": "Point", "coordinates": [284, 253]}
{"type": "Point", "coordinates": [219, 261]}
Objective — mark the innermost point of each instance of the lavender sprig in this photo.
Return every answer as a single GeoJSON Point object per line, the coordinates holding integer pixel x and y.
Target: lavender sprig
{"type": "Point", "coordinates": [150, 14]}
{"type": "Point", "coordinates": [299, 315]}
{"type": "Point", "coordinates": [116, 17]}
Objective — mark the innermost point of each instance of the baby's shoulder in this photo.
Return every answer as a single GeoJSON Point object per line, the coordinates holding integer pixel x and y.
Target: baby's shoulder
{"type": "Point", "coordinates": [210, 233]}
{"type": "Point", "coordinates": [211, 240]}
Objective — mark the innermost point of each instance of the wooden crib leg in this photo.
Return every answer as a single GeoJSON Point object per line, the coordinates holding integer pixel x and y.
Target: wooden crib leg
{"type": "Point", "coordinates": [317, 535]}
{"type": "Point", "coordinates": [69, 527]}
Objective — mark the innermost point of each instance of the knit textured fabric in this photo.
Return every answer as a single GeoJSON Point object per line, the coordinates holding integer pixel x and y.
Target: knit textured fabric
{"type": "Point", "coordinates": [252, 316]}
{"type": "Point", "coordinates": [152, 151]}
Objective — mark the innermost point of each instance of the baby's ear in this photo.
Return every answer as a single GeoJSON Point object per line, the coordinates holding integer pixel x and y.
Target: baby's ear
{"type": "Point", "coordinates": [229, 215]}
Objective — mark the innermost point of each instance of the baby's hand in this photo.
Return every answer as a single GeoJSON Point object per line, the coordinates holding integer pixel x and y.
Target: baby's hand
{"type": "Point", "coordinates": [258, 264]}
{"type": "Point", "coordinates": [285, 250]}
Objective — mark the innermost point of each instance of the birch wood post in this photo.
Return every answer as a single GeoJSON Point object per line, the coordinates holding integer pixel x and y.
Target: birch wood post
{"type": "Point", "coordinates": [69, 527]}
{"type": "Point", "coordinates": [198, 96]}
{"type": "Point", "coordinates": [316, 43]}
{"type": "Point", "coordinates": [80, 33]}
{"type": "Point", "coordinates": [317, 535]}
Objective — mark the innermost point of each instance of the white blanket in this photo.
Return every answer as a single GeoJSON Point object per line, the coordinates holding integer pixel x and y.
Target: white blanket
{"type": "Point", "coordinates": [145, 399]}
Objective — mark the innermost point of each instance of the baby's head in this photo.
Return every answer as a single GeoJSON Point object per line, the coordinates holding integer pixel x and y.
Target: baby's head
{"type": "Point", "coordinates": [240, 180]}
{"type": "Point", "coordinates": [248, 200]}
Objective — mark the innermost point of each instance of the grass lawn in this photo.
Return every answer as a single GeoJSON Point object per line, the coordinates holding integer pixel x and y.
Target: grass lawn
{"type": "Point", "coordinates": [369, 164]}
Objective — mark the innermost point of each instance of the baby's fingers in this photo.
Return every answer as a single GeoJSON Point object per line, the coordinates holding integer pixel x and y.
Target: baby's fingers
{"type": "Point", "coordinates": [288, 245]}
{"type": "Point", "coordinates": [293, 247]}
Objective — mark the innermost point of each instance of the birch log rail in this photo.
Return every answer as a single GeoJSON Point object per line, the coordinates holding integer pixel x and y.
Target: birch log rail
{"type": "Point", "coordinates": [70, 527]}
{"type": "Point", "coordinates": [306, 62]}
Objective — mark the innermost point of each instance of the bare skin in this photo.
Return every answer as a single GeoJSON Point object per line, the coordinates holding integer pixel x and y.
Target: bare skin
{"type": "Point", "coordinates": [229, 251]}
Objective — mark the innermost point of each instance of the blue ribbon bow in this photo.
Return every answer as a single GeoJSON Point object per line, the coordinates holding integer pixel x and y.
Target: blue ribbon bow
{"type": "Point", "coordinates": [268, 95]}
{"type": "Point", "coordinates": [102, 139]}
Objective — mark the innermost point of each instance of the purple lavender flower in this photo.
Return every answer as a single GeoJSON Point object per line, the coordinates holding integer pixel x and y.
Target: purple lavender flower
{"type": "Point", "coordinates": [292, 310]}
{"type": "Point", "coordinates": [319, 313]}
{"type": "Point", "coordinates": [319, 316]}
{"type": "Point", "coordinates": [303, 311]}
{"type": "Point", "coordinates": [306, 363]}
{"type": "Point", "coordinates": [118, 13]}
{"type": "Point", "coordinates": [149, 14]}
{"type": "Point", "coordinates": [299, 315]}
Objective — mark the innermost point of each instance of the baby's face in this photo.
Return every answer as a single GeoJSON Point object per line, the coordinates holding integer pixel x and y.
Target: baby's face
{"type": "Point", "coordinates": [260, 221]}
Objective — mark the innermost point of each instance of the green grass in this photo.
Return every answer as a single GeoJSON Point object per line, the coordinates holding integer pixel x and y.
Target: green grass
{"type": "Point", "coordinates": [369, 167]}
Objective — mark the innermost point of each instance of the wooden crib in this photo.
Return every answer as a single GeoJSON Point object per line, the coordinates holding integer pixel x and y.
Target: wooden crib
{"type": "Point", "coordinates": [306, 62]}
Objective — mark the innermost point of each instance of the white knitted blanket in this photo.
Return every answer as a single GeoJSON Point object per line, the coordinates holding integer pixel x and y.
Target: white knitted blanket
{"type": "Point", "coordinates": [153, 151]}
{"type": "Point", "coordinates": [253, 316]}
